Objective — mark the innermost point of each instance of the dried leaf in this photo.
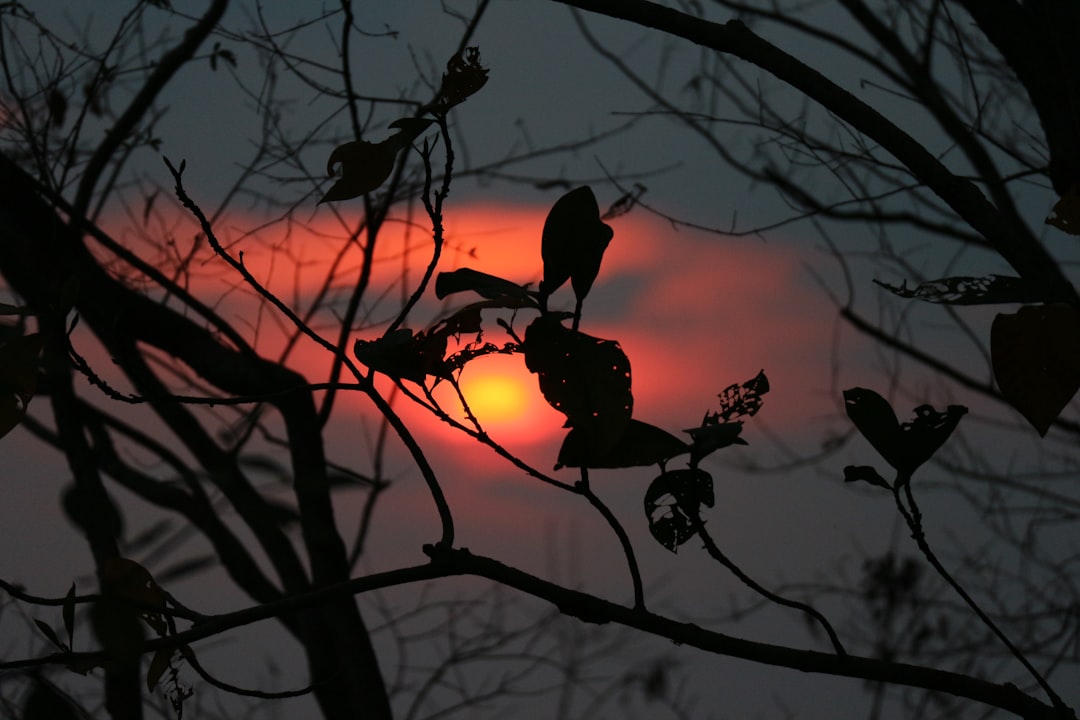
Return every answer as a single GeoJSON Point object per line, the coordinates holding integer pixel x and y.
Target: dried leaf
{"type": "Point", "coordinates": [963, 290]}
{"type": "Point", "coordinates": [666, 501]}
{"type": "Point", "coordinates": [404, 355]}
{"type": "Point", "coordinates": [1036, 357]}
{"type": "Point", "coordinates": [743, 400]}
{"type": "Point", "coordinates": [464, 76]}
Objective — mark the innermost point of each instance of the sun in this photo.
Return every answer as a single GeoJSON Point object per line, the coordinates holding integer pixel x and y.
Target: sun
{"type": "Point", "coordinates": [495, 397]}
{"type": "Point", "coordinates": [503, 396]}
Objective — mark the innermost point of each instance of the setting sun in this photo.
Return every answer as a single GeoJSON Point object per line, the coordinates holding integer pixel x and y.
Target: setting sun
{"type": "Point", "coordinates": [495, 398]}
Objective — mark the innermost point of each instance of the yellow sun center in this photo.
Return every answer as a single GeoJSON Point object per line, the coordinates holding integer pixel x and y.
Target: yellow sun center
{"type": "Point", "coordinates": [494, 398]}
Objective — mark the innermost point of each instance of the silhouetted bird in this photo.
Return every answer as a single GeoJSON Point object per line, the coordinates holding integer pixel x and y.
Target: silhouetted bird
{"type": "Point", "coordinates": [573, 245]}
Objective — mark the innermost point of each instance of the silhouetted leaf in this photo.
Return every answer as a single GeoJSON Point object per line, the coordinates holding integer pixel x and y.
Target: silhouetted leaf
{"type": "Point", "coordinates": [483, 284]}
{"type": "Point", "coordinates": [49, 633]}
{"type": "Point", "coordinates": [18, 378]}
{"type": "Point", "coordinates": [159, 663]}
{"type": "Point", "coordinates": [573, 244]}
{"type": "Point", "coordinates": [743, 400]}
{"type": "Point", "coordinates": [404, 355]}
{"type": "Point", "coordinates": [125, 579]}
{"type": "Point", "coordinates": [666, 500]}
{"type": "Point", "coordinates": [69, 615]}
{"type": "Point", "coordinates": [1065, 215]}
{"type": "Point", "coordinates": [865, 473]}
{"type": "Point", "coordinates": [583, 377]}
{"type": "Point", "coordinates": [639, 445]}
{"type": "Point", "coordinates": [464, 76]}
{"type": "Point", "coordinates": [1036, 357]}
{"type": "Point", "coordinates": [711, 436]}
{"type": "Point", "coordinates": [364, 165]}
{"type": "Point", "coordinates": [906, 446]}
{"type": "Point", "coordinates": [962, 290]}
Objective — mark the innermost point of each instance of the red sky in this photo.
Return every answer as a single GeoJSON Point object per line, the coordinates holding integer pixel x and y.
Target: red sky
{"type": "Point", "coordinates": [693, 312]}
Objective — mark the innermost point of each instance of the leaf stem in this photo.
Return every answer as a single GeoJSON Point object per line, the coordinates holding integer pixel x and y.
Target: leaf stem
{"type": "Point", "coordinates": [913, 517]}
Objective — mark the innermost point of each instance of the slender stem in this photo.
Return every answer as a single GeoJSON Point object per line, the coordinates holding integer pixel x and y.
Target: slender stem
{"type": "Point", "coordinates": [717, 554]}
{"type": "Point", "coordinates": [582, 488]}
{"type": "Point", "coordinates": [913, 517]}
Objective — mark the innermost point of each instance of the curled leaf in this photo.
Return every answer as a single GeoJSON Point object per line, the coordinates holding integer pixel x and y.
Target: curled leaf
{"type": "Point", "coordinates": [573, 244]}
{"type": "Point", "coordinates": [963, 290]}
{"type": "Point", "coordinates": [364, 165]}
{"type": "Point", "coordinates": [488, 286]}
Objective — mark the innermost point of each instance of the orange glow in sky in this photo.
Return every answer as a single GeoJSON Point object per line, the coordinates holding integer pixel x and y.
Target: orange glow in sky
{"type": "Point", "coordinates": [694, 313]}
{"type": "Point", "coordinates": [495, 398]}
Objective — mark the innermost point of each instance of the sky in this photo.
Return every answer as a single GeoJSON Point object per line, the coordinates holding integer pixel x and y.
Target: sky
{"type": "Point", "coordinates": [694, 312]}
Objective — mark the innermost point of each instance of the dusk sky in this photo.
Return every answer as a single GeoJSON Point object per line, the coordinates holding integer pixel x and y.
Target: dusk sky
{"type": "Point", "coordinates": [694, 311]}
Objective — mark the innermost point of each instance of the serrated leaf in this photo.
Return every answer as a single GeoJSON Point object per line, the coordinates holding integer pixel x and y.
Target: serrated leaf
{"type": "Point", "coordinates": [159, 664]}
{"type": "Point", "coordinates": [640, 445]}
{"type": "Point", "coordinates": [963, 290]}
{"type": "Point", "coordinates": [866, 474]}
{"type": "Point", "coordinates": [49, 633]}
{"type": "Point", "coordinates": [1065, 215]}
{"type": "Point", "coordinates": [1035, 353]}
{"type": "Point", "coordinates": [68, 612]}
{"type": "Point", "coordinates": [585, 378]}
{"type": "Point", "coordinates": [666, 501]}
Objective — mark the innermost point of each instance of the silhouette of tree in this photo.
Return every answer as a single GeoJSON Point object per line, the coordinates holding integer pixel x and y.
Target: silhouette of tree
{"type": "Point", "coordinates": [200, 393]}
